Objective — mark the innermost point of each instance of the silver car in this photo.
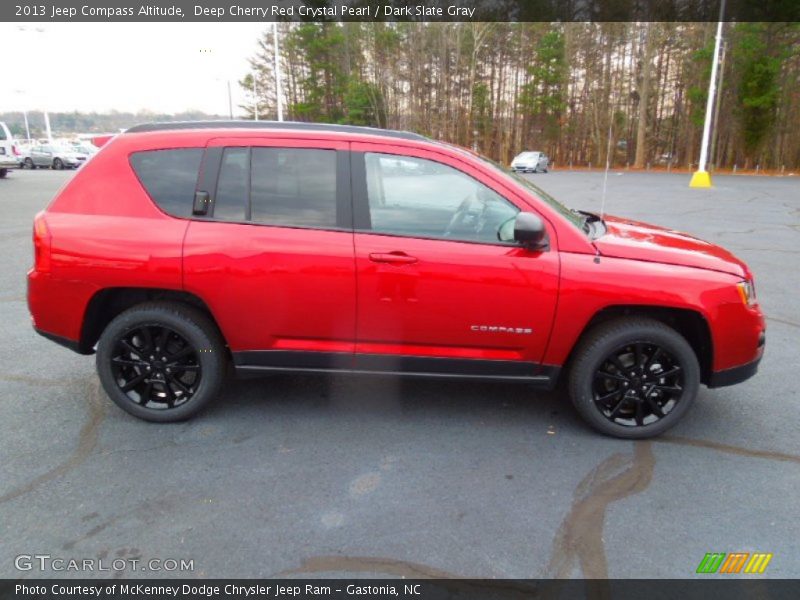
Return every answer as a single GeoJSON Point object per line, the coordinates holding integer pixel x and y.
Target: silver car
{"type": "Point", "coordinates": [56, 157]}
{"type": "Point", "coordinates": [530, 162]}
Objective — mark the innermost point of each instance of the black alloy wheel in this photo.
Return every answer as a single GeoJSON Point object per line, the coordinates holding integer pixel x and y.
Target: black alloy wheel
{"type": "Point", "coordinates": [638, 384]}
{"type": "Point", "coordinates": [156, 367]}
{"type": "Point", "coordinates": [162, 361]}
{"type": "Point", "coordinates": [633, 377]}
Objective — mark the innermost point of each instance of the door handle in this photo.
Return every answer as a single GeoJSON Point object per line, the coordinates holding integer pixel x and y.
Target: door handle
{"type": "Point", "coordinates": [396, 258]}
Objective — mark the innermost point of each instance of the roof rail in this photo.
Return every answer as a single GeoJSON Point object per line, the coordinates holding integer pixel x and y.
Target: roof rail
{"type": "Point", "coordinates": [288, 125]}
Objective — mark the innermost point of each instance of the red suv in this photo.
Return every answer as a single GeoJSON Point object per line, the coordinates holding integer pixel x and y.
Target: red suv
{"type": "Point", "coordinates": [181, 248]}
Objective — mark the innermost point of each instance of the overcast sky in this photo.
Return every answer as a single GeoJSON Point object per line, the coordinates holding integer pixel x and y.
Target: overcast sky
{"type": "Point", "coordinates": [163, 67]}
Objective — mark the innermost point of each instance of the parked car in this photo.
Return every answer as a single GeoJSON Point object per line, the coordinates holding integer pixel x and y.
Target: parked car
{"type": "Point", "coordinates": [181, 248]}
{"type": "Point", "coordinates": [530, 162]}
{"type": "Point", "coordinates": [8, 151]}
{"type": "Point", "coordinates": [54, 156]}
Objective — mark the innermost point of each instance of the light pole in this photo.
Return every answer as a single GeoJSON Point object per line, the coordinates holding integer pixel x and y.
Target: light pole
{"type": "Point", "coordinates": [25, 118]}
{"type": "Point", "coordinates": [277, 71]}
{"type": "Point", "coordinates": [701, 178]}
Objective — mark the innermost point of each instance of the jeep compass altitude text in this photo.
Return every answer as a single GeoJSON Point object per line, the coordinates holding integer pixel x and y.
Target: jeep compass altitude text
{"type": "Point", "coordinates": [181, 248]}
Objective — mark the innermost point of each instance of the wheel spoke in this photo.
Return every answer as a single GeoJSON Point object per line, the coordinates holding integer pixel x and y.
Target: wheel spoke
{"type": "Point", "coordinates": [617, 407]}
{"type": "Point", "coordinates": [125, 362]}
{"type": "Point", "coordinates": [148, 391]}
{"type": "Point", "coordinates": [669, 388]}
{"type": "Point", "coordinates": [129, 385]}
{"type": "Point", "coordinates": [170, 395]}
{"type": "Point", "coordinates": [186, 368]}
{"type": "Point", "coordinates": [655, 407]}
{"type": "Point", "coordinates": [161, 341]}
{"type": "Point", "coordinates": [131, 348]}
{"type": "Point", "coordinates": [617, 363]}
{"type": "Point", "coordinates": [670, 373]}
{"type": "Point", "coordinates": [653, 358]}
{"type": "Point", "coordinates": [638, 355]}
{"type": "Point", "coordinates": [186, 351]}
{"type": "Point", "coordinates": [608, 396]}
{"type": "Point", "coordinates": [179, 384]}
{"type": "Point", "coordinates": [607, 375]}
{"type": "Point", "coordinates": [147, 337]}
{"type": "Point", "coordinates": [639, 414]}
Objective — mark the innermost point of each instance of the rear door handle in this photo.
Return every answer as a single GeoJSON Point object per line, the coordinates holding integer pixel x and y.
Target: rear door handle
{"type": "Point", "coordinates": [396, 258]}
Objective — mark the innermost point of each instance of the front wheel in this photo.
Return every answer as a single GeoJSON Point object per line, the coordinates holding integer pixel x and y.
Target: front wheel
{"type": "Point", "coordinates": [28, 164]}
{"type": "Point", "coordinates": [58, 164]}
{"type": "Point", "coordinates": [161, 361]}
{"type": "Point", "coordinates": [633, 378]}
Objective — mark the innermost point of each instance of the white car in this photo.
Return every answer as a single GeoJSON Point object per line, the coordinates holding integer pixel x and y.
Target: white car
{"type": "Point", "coordinates": [530, 162]}
{"type": "Point", "coordinates": [8, 153]}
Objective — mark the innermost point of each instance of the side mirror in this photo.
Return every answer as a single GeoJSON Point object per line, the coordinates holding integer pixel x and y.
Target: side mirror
{"type": "Point", "coordinates": [529, 230]}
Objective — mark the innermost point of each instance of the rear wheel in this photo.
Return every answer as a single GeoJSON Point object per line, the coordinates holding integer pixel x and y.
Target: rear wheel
{"type": "Point", "coordinates": [161, 361]}
{"type": "Point", "coordinates": [28, 164]}
{"type": "Point", "coordinates": [3, 173]}
{"type": "Point", "coordinates": [633, 378]}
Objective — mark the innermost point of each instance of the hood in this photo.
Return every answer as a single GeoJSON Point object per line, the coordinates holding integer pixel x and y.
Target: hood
{"type": "Point", "coordinates": [641, 241]}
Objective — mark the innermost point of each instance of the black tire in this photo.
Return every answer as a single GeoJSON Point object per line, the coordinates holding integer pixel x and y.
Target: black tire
{"type": "Point", "coordinates": [3, 173]}
{"type": "Point", "coordinates": [28, 164]}
{"type": "Point", "coordinates": [651, 389]}
{"type": "Point", "coordinates": [174, 389]}
{"type": "Point", "coordinates": [58, 164]}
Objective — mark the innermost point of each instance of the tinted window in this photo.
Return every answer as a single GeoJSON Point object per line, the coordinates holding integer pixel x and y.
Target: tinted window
{"type": "Point", "coordinates": [293, 186]}
{"type": "Point", "coordinates": [421, 198]}
{"type": "Point", "coordinates": [170, 177]}
{"type": "Point", "coordinates": [230, 201]}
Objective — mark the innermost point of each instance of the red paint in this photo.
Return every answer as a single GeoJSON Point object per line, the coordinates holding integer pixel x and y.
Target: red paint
{"type": "Point", "coordinates": [339, 291]}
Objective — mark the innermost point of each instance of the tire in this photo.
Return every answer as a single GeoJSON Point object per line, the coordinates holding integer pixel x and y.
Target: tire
{"type": "Point", "coordinates": [3, 173]}
{"type": "Point", "coordinates": [58, 164]}
{"type": "Point", "coordinates": [28, 164]}
{"type": "Point", "coordinates": [168, 390]}
{"type": "Point", "coordinates": [656, 368]}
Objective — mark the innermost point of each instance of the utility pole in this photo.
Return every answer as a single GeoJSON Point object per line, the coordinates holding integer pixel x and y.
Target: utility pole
{"type": "Point", "coordinates": [701, 178]}
{"type": "Point", "coordinates": [278, 94]}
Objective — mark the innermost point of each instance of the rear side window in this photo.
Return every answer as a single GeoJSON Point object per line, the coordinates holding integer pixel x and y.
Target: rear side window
{"type": "Point", "coordinates": [170, 177]}
{"type": "Point", "coordinates": [290, 187]}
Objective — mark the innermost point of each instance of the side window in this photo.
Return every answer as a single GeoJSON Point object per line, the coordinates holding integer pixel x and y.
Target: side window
{"type": "Point", "coordinates": [295, 187]}
{"type": "Point", "coordinates": [230, 201]}
{"type": "Point", "coordinates": [170, 177]}
{"type": "Point", "coordinates": [422, 198]}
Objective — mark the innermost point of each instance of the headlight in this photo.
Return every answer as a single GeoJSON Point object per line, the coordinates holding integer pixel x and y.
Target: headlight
{"type": "Point", "coordinates": [747, 292]}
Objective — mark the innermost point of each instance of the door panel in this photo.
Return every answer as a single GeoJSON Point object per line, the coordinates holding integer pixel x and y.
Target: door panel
{"type": "Point", "coordinates": [454, 300]}
{"type": "Point", "coordinates": [432, 296]}
{"type": "Point", "coordinates": [276, 290]}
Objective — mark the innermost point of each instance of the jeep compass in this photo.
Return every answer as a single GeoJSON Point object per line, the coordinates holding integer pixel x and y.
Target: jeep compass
{"type": "Point", "coordinates": [183, 248]}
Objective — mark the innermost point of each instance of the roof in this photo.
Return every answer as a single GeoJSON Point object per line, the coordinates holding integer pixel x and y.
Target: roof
{"type": "Point", "coordinates": [281, 125]}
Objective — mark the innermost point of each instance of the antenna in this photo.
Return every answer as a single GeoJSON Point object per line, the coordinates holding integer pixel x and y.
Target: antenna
{"type": "Point", "coordinates": [608, 165]}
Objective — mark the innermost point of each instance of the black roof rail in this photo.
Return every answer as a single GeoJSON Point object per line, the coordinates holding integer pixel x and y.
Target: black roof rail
{"type": "Point", "coordinates": [288, 125]}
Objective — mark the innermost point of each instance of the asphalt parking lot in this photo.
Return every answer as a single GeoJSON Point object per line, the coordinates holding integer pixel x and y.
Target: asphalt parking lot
{"type": "Point", "coordinates": [366, 476]}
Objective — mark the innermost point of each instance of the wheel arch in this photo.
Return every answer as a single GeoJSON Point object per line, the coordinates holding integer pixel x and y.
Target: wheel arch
{"type": "Point", "coordinates": [691, 324]}
{"type": "Point", "coordinates": [107, 303]}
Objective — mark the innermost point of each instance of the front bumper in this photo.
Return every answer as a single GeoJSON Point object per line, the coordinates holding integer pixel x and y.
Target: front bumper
{"type": "Point", "coordinates": [734, 375]}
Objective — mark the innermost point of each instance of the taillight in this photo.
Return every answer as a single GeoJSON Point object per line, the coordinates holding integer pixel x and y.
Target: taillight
{"type": "Point", "coordinates": [15, 150]}
{"type": "Point", "coordinates": [41, 244]}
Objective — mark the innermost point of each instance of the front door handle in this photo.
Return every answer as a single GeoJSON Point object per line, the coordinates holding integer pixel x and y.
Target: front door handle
{"type": "Point", "coordinates": [396, 258]}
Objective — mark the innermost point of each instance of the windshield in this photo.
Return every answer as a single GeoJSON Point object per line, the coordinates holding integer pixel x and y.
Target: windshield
{"type": "Point", "coordinates": [573, 217]}
{"type": "Point", "coordinates": [528, 155]}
